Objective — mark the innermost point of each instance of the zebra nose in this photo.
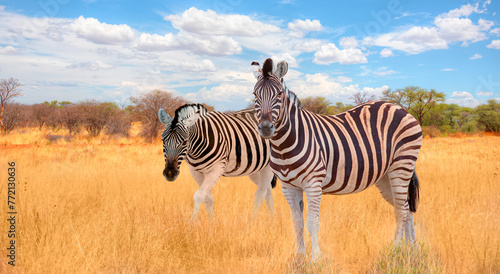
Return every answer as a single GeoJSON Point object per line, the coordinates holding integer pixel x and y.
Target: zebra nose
{"type": "Point", "coordinates": [170, 174]}
{"type": "Point", "coordinates": [266, 129]}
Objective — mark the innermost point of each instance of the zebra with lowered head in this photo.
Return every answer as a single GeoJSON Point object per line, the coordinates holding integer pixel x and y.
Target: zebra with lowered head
{"type": "Point", "coordinates": [376, 143]}
{"type": "Point", "coordinates": [216, 144]}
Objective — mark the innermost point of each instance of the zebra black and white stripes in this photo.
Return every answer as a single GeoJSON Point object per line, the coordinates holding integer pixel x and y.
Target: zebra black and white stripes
{"type": "Point", "coordinates": [217, 144]}
{"type": "Point", "coordinates": [372, 144]}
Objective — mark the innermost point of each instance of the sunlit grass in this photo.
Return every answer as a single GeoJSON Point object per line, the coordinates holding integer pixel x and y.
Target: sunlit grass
{"type": "Point", "coordinates": [105, 207]}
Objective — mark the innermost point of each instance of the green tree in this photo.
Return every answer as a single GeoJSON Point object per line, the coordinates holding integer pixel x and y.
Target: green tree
{"type": "Point", "coordinates": [318, 105]}
{"type": "Point", "coordinates": [488, 115]}
{"type": "Point", "coordinates": [415, 100]}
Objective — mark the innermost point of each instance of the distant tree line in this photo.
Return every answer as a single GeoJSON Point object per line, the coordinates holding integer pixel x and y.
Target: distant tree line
{"type": "Point", "coordinates": [95, 117]}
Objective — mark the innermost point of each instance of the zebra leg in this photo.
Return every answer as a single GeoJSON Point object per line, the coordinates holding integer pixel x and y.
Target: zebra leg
{"type": "Point", "coordinates": [399, 186]}
{"type": "Point", "coordinates": [293, 196]}
{"type": "Point", "coordinates": [384, 186]}
{"type": "Point", "coordinates": [263, 180]}
{"type": "Point", "coordinates": [209, 201]}
{"type": "Point", "coordinates": [203, 195]}
{"type": "Point", "coordinates": [410, 236]}
{"type": "Point", "coordinates": [313, 194]}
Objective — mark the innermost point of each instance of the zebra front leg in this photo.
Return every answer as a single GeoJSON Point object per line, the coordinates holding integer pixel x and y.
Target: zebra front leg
{"type": "Point", "coordinates": [203, 195]}
{"type": "Point", "coordinates": [313, 194]}
{"type": "Point", "coordinates": [263, 180]}
{"type": "Point", "coordinates": [294, 197]}
{"type": "Point", "coordinates": [209, 201]}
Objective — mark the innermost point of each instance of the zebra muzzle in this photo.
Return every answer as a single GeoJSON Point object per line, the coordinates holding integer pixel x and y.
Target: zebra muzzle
{"type": "Point", "coordinates": [266, 129]}
{"type": "Point", "coordinates": [171, 170]}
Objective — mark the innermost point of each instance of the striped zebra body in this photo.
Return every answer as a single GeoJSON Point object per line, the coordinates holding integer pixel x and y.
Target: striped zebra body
{"type": "Point", "coordinates": [350, 147]}
{"type": "Point", "coordinates": [217, 144]}
{"type": "Point", "coordinates": [373, 144]}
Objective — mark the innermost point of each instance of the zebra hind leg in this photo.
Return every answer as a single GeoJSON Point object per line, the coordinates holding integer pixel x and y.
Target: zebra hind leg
{"type": "Point", "coordinates": [399, 181]}
{"type": "Point", "coordinates": [404, 226]}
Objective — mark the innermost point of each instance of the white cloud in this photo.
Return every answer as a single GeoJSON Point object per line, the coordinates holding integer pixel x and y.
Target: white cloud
{"type": "Point", "coordinates": [299, 28]}
{"type": "Point", "coordinates": [8, 50]}
{"type": "Point", "coordinates": [382, 71]}
{"type": "Point", "coordinates": [222, 95]}
{"type": "Point", "coordinates": [386, 53]}
{"type": "Point", "coordinates": [495, 31]}
{"type": "Point", "coordinates": [102, 33]}
{"type": "Point", "coordinates": [204, 66]}
{"type": "Point", "coordinates": [448, 69]}
{"type": "Point", "coordinates": [329, 53]}
{"type": "Point", "coordinates": [155, 42]}
{"type": "Point", "coordinates": [94, 66]}
{"type": "Point", "coordinates": [464, 10]}
{"type": "Point", "coordinates": [476, 56]}
{"type": "Point", "coordinates": [461, 94]}
{"type": "Point", "coordinates": [463, 98]}
{"type": "Point", "coordinates": [322, 84]}
{"type": "Point", "coordinates": [343, 79]}
{"type": "Point", "coordinates": [210, 23]}
{"type": "Point", "coordinates": [482, 93]}
{"type": "Point", "coordinates": [199, 44]}
{"type": "Point", "coordinates": [449, 27]}
{"type": "Point", "coordinates": [348, 42]}
{"type": "Point", "coordinates": [495, 44]}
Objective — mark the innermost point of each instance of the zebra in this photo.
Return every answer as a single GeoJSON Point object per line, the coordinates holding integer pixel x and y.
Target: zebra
{"type": "Point", "coordinates": [216, 144]}
{"type": "Point", "coordinates": [376, 143]}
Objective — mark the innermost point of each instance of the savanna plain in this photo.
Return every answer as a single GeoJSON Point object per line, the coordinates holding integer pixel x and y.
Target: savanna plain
{"type": "Point", "coordinates": [102, 205]}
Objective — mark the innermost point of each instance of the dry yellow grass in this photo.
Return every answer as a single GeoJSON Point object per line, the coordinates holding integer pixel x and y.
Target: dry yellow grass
{"type": "Point", "coordinates": [106, 208]}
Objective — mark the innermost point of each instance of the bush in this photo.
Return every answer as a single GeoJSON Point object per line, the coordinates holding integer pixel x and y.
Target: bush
{"type": "Point", "coordinates": [431, 131]}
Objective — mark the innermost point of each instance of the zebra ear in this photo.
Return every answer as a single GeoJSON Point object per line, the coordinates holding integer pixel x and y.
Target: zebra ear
{"type": "Point", "coordinates": [189, 121]}
{"type": "Point", "coordinates": [281, 69]}
{"type": "Point", "coordinates": [164, 117]}
{"type": "Point", "coordinates": [256, 69]}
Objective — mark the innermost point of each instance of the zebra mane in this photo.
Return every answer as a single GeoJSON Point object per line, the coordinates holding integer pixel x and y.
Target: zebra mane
{"type": "Point", "coordinates": [186, 111]}
{"type": "Point", "coordinates": [293, 97]}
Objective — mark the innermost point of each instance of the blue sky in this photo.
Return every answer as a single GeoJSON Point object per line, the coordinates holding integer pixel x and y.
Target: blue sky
{"type": "Point", "coordinates": [111, 50]}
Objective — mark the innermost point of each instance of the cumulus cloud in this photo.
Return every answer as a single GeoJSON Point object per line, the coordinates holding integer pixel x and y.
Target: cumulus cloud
{"type": "Point", "coordinates": [329, 53]}
{"type": "Point", "coordinates": [8, 50]}
{"type": "Point", "coordinates": [299, 28]}
{"type": "Point", "coordinates": [348, 42]}
{"type": "Point", "coordinates": [450, 27]}
{"type": "Point", "coordinates": [323, 84]}
{"type": "Point", "coordinates": [203, 45]}
{"type": "Point", "coordinates": [461, 94]}
{"type": "Point", "coordinates": [386, 53]}
{"type": "Point", "coordinates": [476, 56]}
{"type": "Point", "coordinates": [495, 31]}
{"type": "Point", "coordinates": [495, 44]}
{"type": "Point", "coordinates": [482, 93]}
{"type": "Point", "coordinates": [210, 23]}
{"type": "Point", "coordinates": [101, 33]}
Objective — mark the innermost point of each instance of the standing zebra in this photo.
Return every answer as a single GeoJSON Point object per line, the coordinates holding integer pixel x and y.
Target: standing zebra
{"type": "Point", "coordinates": [216, 144]}
{"type": "Point", "coordinates": [372, 144]}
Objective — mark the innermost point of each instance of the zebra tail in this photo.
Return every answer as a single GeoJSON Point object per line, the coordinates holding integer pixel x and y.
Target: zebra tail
{"type": "Point", "coordinates": [273, 181]}
{"type": "Point", "coordinates": [413, 192]}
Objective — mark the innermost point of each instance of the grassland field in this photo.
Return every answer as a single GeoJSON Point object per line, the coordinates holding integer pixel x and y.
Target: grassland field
{"type": "Point", "coordinates": [101, 205]}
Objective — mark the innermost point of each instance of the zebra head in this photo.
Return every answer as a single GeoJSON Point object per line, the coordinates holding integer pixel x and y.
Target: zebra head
{"type": "Point", "coordinates": [268, 92]}
{"type": "Point", "coordinates": [175, 136]}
